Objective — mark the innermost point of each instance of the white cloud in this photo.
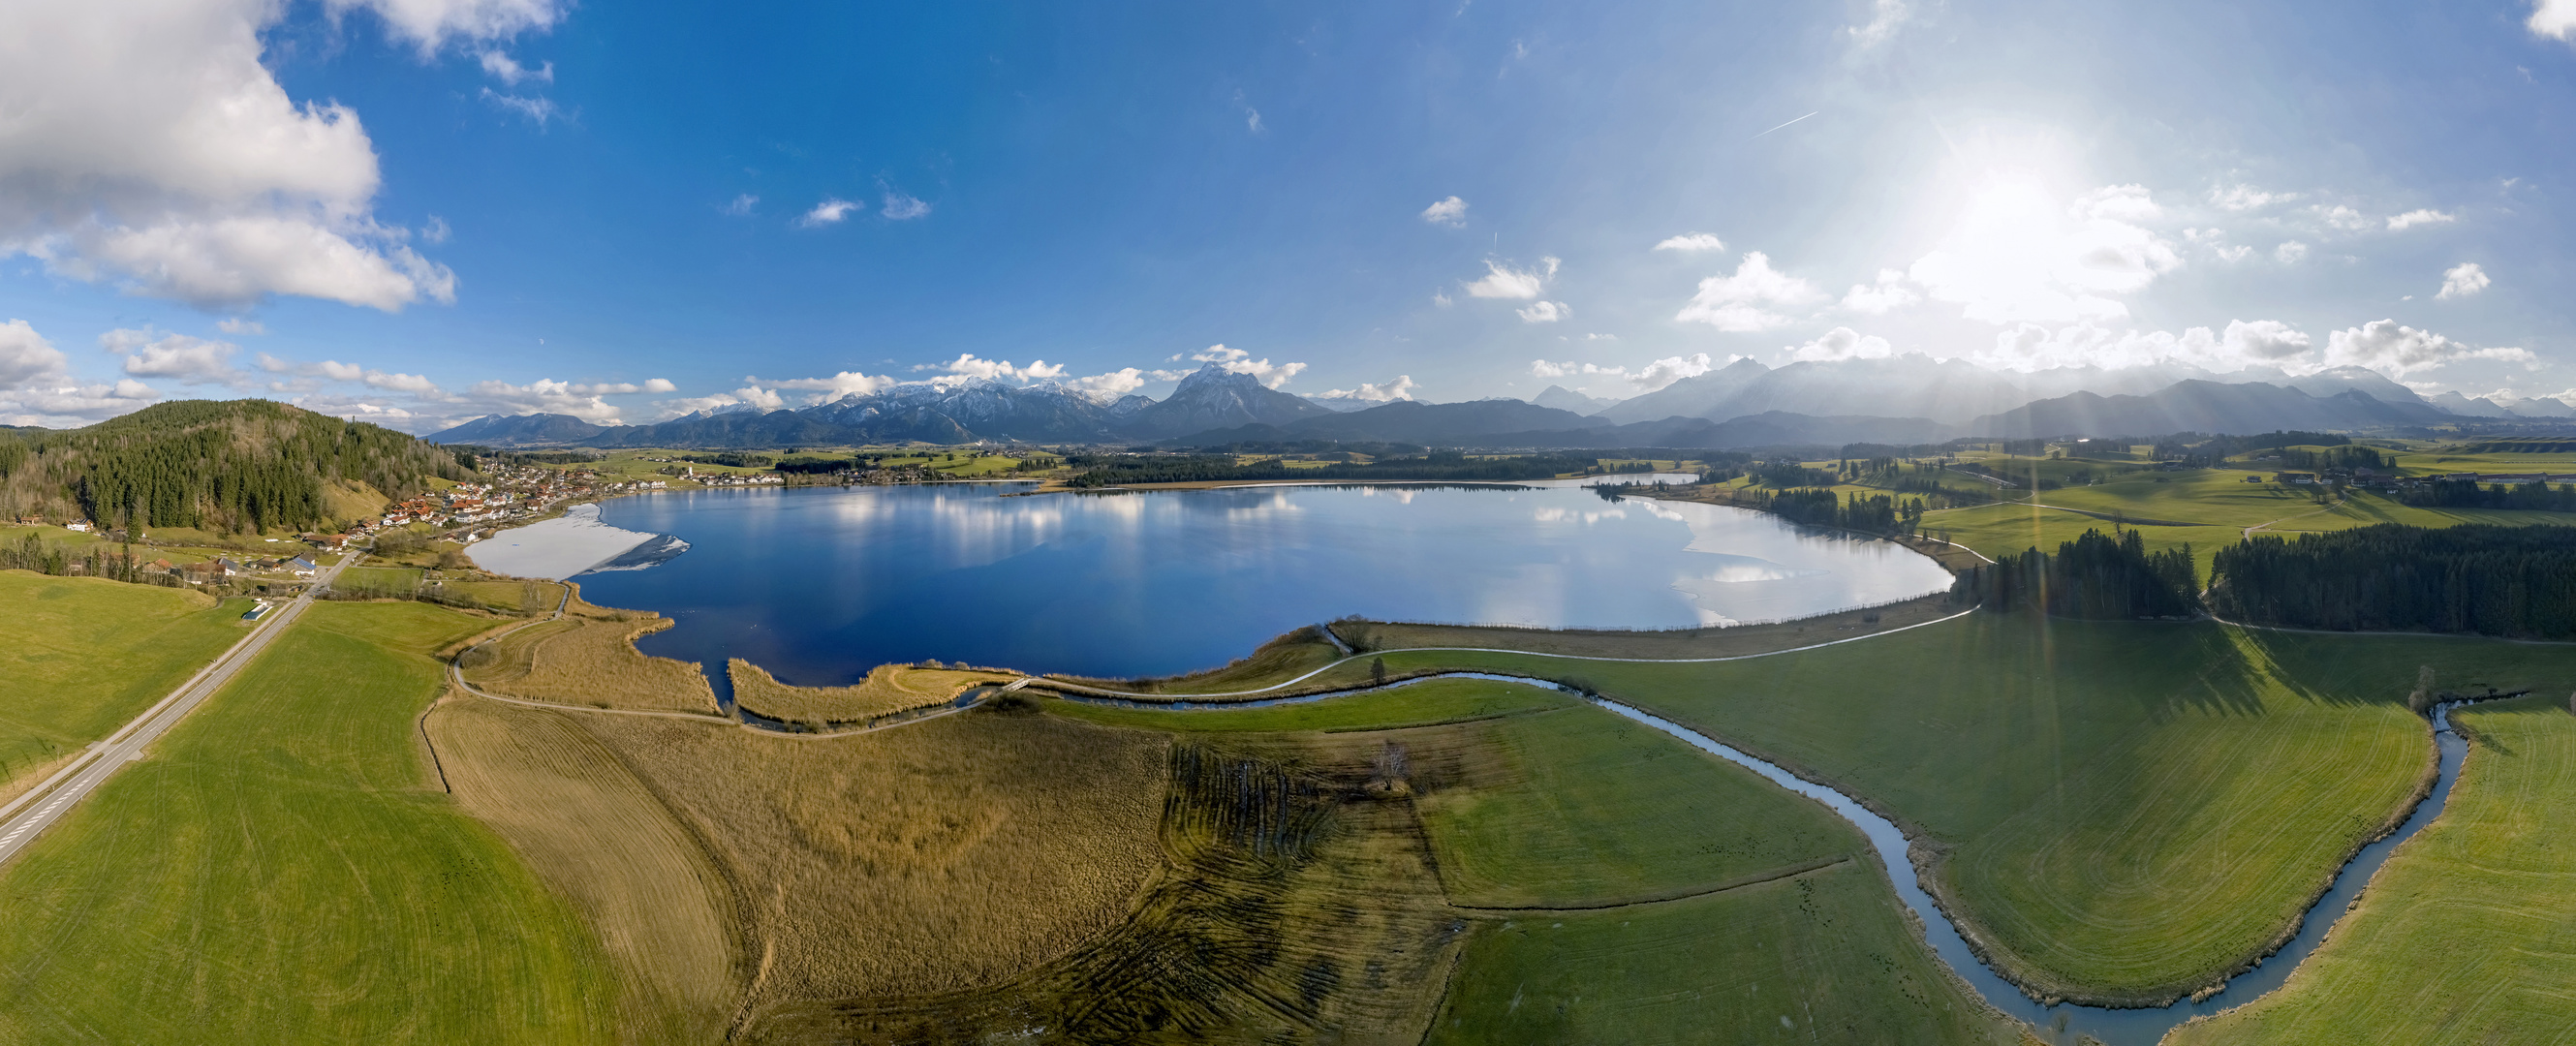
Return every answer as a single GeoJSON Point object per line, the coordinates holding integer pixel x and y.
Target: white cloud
{"type": "Point", "coordinates": [902, 206]}
{"type": "Point", "coordinates": [1237, 361]}
{"type": "Point", "coordinates": [2128, 203]}
{"type": "Point", "coordinates": [435, 230]}
{"type": "Point", "coordinates": [413, 383]}
{"type": "Point", "coordinates": [1451, 212]}
{"type": "Point", "coordinates": [2463, 280]}
{"type": "Point", "coordinates": [2243, 197]}
{"type": "Point", "coordinates": [430, 24]}
{"type": "Point", "coordinates": [1387, 392]}
{"type": "Point", "coordinates": [1670, 369]}
{"type": "Point", "coordinates": [152, 354]}
{"type": "Point", "coordinates": [622, 388]}
{"type": "Point", "coordinates": [1503, 281]}
{"type": "Point", "coordinates": [1544, 312]}
{"type": "Point", "coordinates": [538, 110]}
{"type": "Point", "coordinates": [147, 144]}
{"type": "Point", "coordinates": [2553, 18]}
{"type": "Point", "coordinates": [26, 358]}
{"type": "Point", "coordinates": [2342, 217]}
{"type": "Point", "coordinates": [2031, 347]}
{"type": "Point", "coordinates": [845, 383]}
{"type": "Point", "coordinates": [238, 325]}
{"type": "Point", "coordinates": [2016, 255]}
{"type": "Point", "coordinates": [1107, 388]}
{"type": "Point", "coordinates": [1745, 300]}
{"type": "Point", "coordinates": [828, 212]}
{"type": "Point", "coordinates": [542, 396]}
{"type": "Point", "coordinates": [2394, 350]}
{"type": "Point", "coordinates": [968, 366]}
{"type": "Point", "coordinates": [2419, 217]}
{"type": "Point", "coordinates": [1890, 292]}
{"type": "Point", "coordinates": [1652, 376]}
{"type": "Point", "coordinates": [508, 70]}
{"type": "Point", "coordinates": [1885, 18]}
{"type": "Point", "coordinates": [2290, 252]}
{"type": "Point", "coordinates": [1841, 343]}
{"type": "Point", "coordinates": [659, 385]}
{"type": "Point", "coordinates": [741, 205]}
{"type": "Point", "coordinates": [64, 405]}
{"type": "Point", "coordinates": [1691, 242]}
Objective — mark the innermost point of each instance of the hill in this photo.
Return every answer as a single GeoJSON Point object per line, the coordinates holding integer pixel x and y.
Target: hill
{"type": "Point", "coordinates": [238, 465]}
{"type": "Point", "coordinates": [1405, 421]}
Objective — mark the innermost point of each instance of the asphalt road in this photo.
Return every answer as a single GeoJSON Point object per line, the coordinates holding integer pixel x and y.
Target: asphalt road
{"type": "Point", "coordinates": [29, 815]}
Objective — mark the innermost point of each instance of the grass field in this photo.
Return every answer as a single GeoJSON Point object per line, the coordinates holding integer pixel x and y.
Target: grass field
{"type": "Point", "coordinates": [1530, 800]}
{"type": "Point", "coordinates": [1819, 957]}
{"type": "Point", "coordinates": [887, 689]}
{"type": "Point", "coordinates": [285, 869]}
{"type": "Point", "coordinates": [1284, 658]}
{"type": "Point", "coordinates": [1584, 808]}
{"type": "Point", "coordinates": [593, 830]}
{"type": "Point", "coordinates": [2467, 934]}
{"type": "Point", "coordinates": [2128, 809]}
{"type": "Point", "coordinates": [84, 655]}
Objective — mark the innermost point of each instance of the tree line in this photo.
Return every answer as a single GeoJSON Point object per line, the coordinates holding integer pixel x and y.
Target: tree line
{"type": "Point", "coordinates": [2500, 581]}
{"type": "Point", "coordinates": [2468, 493]}
{"type": "Point", "coordinates": [2096, 576]}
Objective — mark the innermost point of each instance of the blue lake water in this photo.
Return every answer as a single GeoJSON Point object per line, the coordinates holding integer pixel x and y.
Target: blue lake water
{"type": "Point", "coordinates": [819, 584]}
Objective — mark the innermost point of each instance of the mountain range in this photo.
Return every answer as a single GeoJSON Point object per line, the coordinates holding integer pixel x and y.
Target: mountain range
{"type": "Point", "coordinates": [1908, 399]}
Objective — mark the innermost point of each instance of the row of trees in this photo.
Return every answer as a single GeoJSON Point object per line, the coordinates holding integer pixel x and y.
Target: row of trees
{"type": "Point", "coordinates": [2468, 493]}
{"type": "Point", "coordinates": [2502, 581]}
{"type": "Point", "coordinates": [2095, 576]}
{"type": "Point", "coordinates": [1868, 513]}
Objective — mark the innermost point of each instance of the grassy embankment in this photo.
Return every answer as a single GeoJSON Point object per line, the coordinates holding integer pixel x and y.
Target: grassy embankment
{"type": "Point", "coordinates": [84, 655]}
{"type": "Point", "coordinates": [1621, 887]}
{"type": "Point", "coordinates": [888, 689]}
{"type": "Point", "coordinates": [2466, 935]}
{"type": "Point", "coordinates": [284, 868]}
{"type": "Point", "coordinates": [2126, 810]}
{"type": "Point", "coordinates": [738, 875]}
{"type": "Point", "coordinates": [588, 657]}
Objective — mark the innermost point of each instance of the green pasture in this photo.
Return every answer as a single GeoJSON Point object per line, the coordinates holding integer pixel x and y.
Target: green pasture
{"type": "Point", "coordinates": [2467, 934]}
{"type": "Point", "coordinates": [82, 656]}
{"type": "Point", "coordinates": [1820, 957]}
{"type": "Point", "coordinates": [1585, 808]}
{"type": "Point", "coordinates": [2128, 808]}
{"type": "Point", "coordinates": [284, 868]}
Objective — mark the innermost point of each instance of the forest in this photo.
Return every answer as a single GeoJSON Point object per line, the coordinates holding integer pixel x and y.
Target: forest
{"type": "Point", "coordinates": [237, 466]}
{"type": "Point", "coordinates": [2096, 576]}
{"type": "Point", "coordinates": [2499, 581]}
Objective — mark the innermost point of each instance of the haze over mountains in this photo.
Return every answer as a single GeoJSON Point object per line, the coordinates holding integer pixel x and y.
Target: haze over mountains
{"type": "Point", "coordinates": [1902, 399]}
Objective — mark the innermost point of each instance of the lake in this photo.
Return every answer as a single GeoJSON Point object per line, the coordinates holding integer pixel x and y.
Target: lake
{"type": "Point", "coordinates": [819, 584]}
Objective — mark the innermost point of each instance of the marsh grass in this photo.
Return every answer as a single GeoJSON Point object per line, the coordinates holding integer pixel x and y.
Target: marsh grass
{"type": "Point", "coordinates": [887, 689]}
{"type": "Point", "coordinates": [589, 658]}
{"type": "Point", "coordinates": [1295, 906]}
{"type": "Point", "coordinates": [948, 854]}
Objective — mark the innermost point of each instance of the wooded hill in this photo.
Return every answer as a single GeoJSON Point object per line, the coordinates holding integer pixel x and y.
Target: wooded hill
{"type": "Point", "coordinates": [2500, 581]}
{"type": "Point", "coordinates": [238, 466]}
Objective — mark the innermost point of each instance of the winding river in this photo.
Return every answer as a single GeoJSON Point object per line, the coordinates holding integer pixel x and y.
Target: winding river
{"type": "Point", "coordinates": [2062, 1023]}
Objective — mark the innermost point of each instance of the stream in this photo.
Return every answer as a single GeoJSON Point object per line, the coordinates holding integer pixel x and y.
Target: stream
{"type": "Point", "coordinates": [2063, 1023]}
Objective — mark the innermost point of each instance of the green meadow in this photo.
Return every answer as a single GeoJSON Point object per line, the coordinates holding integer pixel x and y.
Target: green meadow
{"type": "Point", "coordinates": [2127, 809]}
{"type": "Point", "coordinates": [284, 867]}
{"type": "Point", "coordinates": [84, 655]}
{"type": "Point", "coordinates": [2467, 934]}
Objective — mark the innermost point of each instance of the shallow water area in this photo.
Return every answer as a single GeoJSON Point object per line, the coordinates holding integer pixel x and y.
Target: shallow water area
{"type": "Point", "coordinates": [819, 584]}
{"type": "Point", "coordinates": [566, 545]}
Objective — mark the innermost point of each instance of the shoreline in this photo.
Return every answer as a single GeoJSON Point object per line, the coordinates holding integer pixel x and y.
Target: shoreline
{"type": "Point", "coordinates": [560, 547]}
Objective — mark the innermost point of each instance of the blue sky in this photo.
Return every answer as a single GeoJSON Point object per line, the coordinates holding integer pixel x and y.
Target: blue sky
{"type": "Point", "coordinates": [425, 210]}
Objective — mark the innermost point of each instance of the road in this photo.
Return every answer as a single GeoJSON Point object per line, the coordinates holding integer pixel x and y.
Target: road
{"type": "Point", "coordinates": [27, 816]}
